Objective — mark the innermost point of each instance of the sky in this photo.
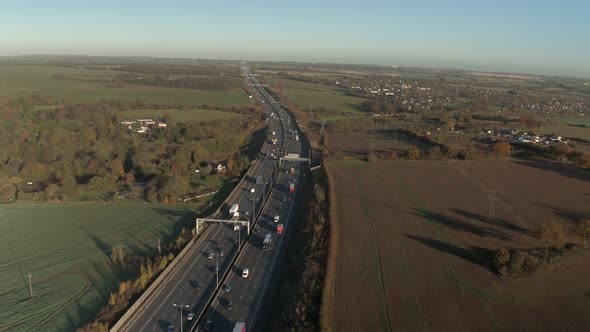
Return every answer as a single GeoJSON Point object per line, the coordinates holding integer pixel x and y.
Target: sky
{"type": "Point", "coordinates": [523, 36]}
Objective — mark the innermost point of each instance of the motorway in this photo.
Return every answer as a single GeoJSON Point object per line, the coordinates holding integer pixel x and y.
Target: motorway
{"type": "Point", "coordinates": [194, 280]}
{"type": "Point", "coordinates": [247, 294]}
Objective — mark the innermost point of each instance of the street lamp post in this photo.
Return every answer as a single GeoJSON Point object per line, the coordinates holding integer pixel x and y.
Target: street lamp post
{"type": "Point", "coordinates": [216, 272]}
{"type": "Point", "coordinates": [180, 306]}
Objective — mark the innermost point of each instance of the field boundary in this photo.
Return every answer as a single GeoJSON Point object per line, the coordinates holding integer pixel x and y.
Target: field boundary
{"type": "Point", "coordinates": [326, 309]}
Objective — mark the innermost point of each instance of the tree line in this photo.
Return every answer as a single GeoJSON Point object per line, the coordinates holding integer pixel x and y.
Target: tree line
{"type": "Point", "coordinates": [184, 82]}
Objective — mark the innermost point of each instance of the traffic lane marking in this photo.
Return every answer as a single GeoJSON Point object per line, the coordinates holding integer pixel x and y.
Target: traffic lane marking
{"type": "Point", "coordinates": [170, 293]}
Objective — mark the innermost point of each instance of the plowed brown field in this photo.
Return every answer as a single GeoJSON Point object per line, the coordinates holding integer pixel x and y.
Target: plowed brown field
{"type": "Point", "coordinates": [410, 254]}
{"type": "Point", "coordinates": [382, 140]}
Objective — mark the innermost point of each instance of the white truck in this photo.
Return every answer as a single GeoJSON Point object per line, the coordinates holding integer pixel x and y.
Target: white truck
{"type": "Point", "coordinates": [233, 209]}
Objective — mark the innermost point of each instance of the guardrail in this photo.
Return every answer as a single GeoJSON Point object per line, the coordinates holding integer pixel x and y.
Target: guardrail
{"type": "Point", "coordinates": [215, 293]}
{"type": "Point", "coordinates": [153, 287]}
{"type": "Point", "coordinates": [120, 324]}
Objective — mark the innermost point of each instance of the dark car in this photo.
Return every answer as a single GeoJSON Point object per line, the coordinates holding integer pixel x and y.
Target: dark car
{"type": "Point", "coordinates": [208, 325]}
{"type": "Point", "coordinates": [171, 328]}
{"type": "Point", "coordinates": [230, 305]}
{"type": "Point", "coordinates": [199, 285]}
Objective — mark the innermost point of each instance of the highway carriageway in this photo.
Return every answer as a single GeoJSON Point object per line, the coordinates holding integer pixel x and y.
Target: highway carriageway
{"type": "Point", "coordinates": [193, 281]}
{"type": "Point", "coordinates": [247, 295]}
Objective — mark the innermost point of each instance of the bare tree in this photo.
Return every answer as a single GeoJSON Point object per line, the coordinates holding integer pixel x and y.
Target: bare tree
{"type": "Point", "coordinates": [551, 236]}
{"type": "Point", "coordinates": [582, 229]}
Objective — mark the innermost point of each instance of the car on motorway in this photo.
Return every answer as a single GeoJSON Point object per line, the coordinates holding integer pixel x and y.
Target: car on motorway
{"type": "Point", "coordinates": [210, 255]}
{"type": "Point", "coordinates": [245, 273]}
{"type": "Point", "coordinates": [208, 325]}
{"type": "Point", "coordinates": [199, 285]}
{"type": "Point", "coordinates": [221, 252]}
{"type": "Point", "coordinates": [171, 328]}
{"type": "Point", "coordinates": [277, 218]}
{"type": "Point", "coordinates": [190, 316]}
{"type": "Point", "coordinates": [230, 305]}
{"type": "Point", "coordinates": [236, 242]}
{"type": "Point", "coordinates": [285, 199]}
{"type": "Point", "coordinates": [227, 288]}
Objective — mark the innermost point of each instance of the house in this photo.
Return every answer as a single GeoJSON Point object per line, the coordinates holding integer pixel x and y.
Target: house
{"type": "Point", "coordinates": [220, 168]}
{"type": "Point", "coordinates": [146, 122]}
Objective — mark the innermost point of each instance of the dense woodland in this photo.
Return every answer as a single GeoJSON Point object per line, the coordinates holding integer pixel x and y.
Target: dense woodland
{"type": "Point", "coordinates": [56, 153]}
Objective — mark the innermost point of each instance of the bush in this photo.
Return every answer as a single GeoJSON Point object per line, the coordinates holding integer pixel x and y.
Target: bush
{"type": "Point", "coordinates": [501, 259]}
{"type": "Point", "coordinates": [503, 148]}
{"type": "Point", "coordinates": [435, 153]}
{"type": "Point", "coordinates": [468, 154]}
{"type": "Point", "coordinates": [531, 264]}
{"type": "Point", "coordinates": [517, 260]}
{"type": "Point", "coordinates": [413, 152]}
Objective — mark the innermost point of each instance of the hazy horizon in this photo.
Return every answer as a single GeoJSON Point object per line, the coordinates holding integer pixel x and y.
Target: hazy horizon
{"type": "Point", "coordinates": [527, 37]}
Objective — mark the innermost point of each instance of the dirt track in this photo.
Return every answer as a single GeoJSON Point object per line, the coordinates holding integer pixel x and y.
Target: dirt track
{"type": "Point", "coordinates": [410, 252]}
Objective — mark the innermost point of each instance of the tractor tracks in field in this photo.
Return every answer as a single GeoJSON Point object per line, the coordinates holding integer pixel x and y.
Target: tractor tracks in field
{"type": "Point", "coordinates": [388, 326]}
{"type": "Point", "coordinates": [482, 296]}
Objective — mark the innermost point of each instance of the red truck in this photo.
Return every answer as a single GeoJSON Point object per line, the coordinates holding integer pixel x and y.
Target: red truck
{"type": "Point", "coordinates": [280, 229]}
{"type": "Point", "coordinates": [292, 188]}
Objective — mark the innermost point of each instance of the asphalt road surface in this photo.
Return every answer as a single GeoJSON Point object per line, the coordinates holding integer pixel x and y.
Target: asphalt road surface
{"type": "Point", "coordinates": [247, 294]}
{"type": "Point", "coordinates": [195, 279]}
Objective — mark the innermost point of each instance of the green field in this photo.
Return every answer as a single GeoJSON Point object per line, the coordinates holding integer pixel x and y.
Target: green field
{"type": "Point", "coordinates": [567, 131]}
{"type": "Point", "coordinates": [180, 116]}
{"type": "Point", "coordinates": [88, 85]}
{"type": "Point", "coordinates": [66, 248]}
{"type": "Point", "coordinates": [576, 121]}
{"type": "Point", "coordinates": [315, 96]}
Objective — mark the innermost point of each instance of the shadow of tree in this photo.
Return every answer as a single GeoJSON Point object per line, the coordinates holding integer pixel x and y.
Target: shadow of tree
{"type": "Point", "coordinates": [458, 225]}
{"type": "Point", "coordinates": [569, 215]}
{"type": "Point", "coordinates": [476, 255]}
{"type": "Point", "coordinates": [556, 167]}
{"type": "Point", "coordinates": [497, 221]}
{"type": "Point", "coordinates": [102, 245]}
